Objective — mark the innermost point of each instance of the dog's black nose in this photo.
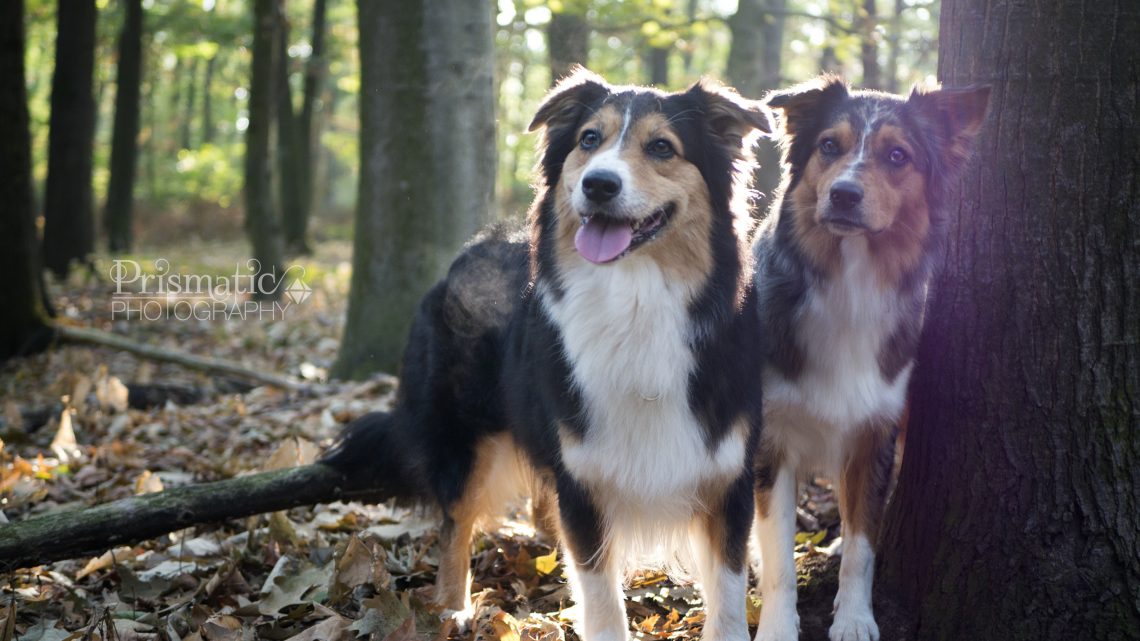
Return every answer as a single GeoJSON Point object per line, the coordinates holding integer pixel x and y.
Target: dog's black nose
{"type": "Point", "coordinates": [601, 185]}
{"type": "Point", "coordinates": [846, 194]}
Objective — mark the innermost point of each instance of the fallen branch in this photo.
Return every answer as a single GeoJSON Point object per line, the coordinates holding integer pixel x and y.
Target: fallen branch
{"type": "Point", "coordinates": [89, 531]}
{"type": "Point", "coordinates": [87, 336]}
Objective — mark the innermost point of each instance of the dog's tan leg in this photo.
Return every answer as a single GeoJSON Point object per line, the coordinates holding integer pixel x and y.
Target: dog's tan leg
{"type": "Point", "coordinates": [862, 484]}
{"type": "Point", "coordinates": [453, 583]}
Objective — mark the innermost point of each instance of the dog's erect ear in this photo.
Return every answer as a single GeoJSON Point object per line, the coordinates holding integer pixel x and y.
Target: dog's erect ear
{"type": "Point", "coordinates": [957, 114]}
{"type": "Point", "coordinates": [565, 102]}
{"type": "Point", "coordinates": [800, 107]}
{"type": "Point", "coordinates": [732, 118]}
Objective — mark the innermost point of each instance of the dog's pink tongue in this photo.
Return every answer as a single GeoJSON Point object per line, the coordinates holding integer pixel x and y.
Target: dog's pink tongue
{"type": "Point", "coordinates": [602, 239]}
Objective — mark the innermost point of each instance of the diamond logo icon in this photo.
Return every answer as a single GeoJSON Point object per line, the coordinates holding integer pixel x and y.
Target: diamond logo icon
{"type": "Point", "coordinates": [298, 291]}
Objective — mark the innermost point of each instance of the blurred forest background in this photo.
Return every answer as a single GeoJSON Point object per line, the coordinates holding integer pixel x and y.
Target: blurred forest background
{"type": "Point", "coordinates": [211, 117]}
{"type": "Point", "coordinates": [196, 69]}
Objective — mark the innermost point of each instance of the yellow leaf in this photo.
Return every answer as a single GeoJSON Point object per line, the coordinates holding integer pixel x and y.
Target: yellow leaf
{"type": "Point", "coordinates": [545, 564]}
{"type": "Point", "coordinates": [148, 483]}
{"type": "Point", "coordinates": [506, 627]}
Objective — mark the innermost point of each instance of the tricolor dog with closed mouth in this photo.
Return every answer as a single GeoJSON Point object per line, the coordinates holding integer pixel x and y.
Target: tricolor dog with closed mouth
{"type": "Point", "coordinates": [842, 267]}
{"type": "Point", "coordinates": [605, 361]}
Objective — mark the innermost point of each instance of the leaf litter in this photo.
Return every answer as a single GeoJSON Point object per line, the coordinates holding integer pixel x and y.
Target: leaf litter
{"type": "Point", "coordinates": [70, 438]}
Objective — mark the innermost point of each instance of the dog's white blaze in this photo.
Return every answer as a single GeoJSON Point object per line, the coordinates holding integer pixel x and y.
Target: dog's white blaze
{"type": "Point", "coordinates": [776, 534]}
{"type": "Point", "coordinates": [853, 618]}
{"type": "Point", "coordinates": [841, 331]}
{"type": "Point", "coordinates": [627, 336]}
{"type": "Point", "coordinates": [628, 200]}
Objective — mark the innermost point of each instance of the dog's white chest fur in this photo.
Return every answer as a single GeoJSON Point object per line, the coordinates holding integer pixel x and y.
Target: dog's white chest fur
{"type": "Point", "coordinates": [841, 331]}
{"type": "Point", "coordinates": [626, 334]}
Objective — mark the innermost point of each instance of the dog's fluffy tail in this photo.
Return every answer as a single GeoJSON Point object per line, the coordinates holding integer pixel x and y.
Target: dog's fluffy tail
{"type": "Point", "coordinates": [370, 453]}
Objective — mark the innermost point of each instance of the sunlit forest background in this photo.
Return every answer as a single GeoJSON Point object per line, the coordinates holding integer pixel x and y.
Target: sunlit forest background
{"type": "Point", "coordinates": [196, 72]}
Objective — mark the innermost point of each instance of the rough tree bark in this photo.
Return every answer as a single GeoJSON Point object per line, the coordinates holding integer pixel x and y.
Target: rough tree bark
{"type": "Point", "coordinates": [23, 325]}
{"type": "Point", "coordinates": [426, 73]}
{"type": "Point", "coordinates": [69, 222]}
{"type": "Point", "coordinates": [754, 60]}
{"type": "Point", "coordinates": [125, 131]}
{"type": "Point", "coordinates": [568, 40]}
{"type": "Point", "coordinates": [262, 221]}
{"type": "Point", "coordinates": [1018, 502]}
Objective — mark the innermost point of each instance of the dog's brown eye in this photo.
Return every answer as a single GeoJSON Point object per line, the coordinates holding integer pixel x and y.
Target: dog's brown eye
{"type": "Point", "coordinates": [828, 147]}
{"type": "Point", "coordinates": [660, 148]}
{"type": "Point", "coordinates": [898, 157]}
{"type": "Point", "coordinates": [590, 139]}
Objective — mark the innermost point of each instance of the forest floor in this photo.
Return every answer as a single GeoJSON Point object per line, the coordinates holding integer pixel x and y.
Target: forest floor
{"type": "Point", "coordinates": [71, 438]}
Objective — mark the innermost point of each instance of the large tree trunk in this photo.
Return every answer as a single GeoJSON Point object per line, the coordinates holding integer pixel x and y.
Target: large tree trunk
{"type": "Point", "coordinates": [262, 220]}
{"type": "Point", "coordinates": [69, 223]}
{"type": "Point", "coordinates": [426, 73]}
{"type": "Point", "coordinates": [125, 132]}
{"type": "Point", "coordinates": [567, 40]}
{"type": "Point", "coordinates": [308, 128]}
{"type": "Point", "coordinates": [1018, 502]}
{"type": "Point", "coordinates": [754, 59]}
{"type": "Point", "coordinates": [23, 323]}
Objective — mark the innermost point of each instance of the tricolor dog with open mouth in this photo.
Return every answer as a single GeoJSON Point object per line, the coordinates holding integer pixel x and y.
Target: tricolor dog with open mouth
{"type": "Point", "coordinates": [604, 362]}
{"type": "Point", "coordinates": [842, 267]}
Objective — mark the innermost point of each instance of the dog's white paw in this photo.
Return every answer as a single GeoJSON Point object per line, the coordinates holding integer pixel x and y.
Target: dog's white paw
{"type": "Point", "coordinates": [854, 625]}
{"type": "Point", "coordinates": [778, 623]}
{"type": "Point", "coordinates": [461, 618]}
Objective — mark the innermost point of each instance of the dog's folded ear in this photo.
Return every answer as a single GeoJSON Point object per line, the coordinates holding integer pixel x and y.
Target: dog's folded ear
{"type": "Point", "coordinates": [799, 108]}
{"type": "Point", "coordinates": [566, 101]}
{"type": "Point", "coordinates": [957, 116]}
{"type": "Point", "coordinates": [732, 118]}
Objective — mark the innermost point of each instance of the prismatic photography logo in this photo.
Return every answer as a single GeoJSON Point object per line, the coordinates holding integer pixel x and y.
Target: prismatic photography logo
{"type": "Point", "coordinates": [248, 293]}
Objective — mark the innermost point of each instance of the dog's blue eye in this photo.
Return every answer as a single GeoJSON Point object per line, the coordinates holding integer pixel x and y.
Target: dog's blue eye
{"type": "Point", "coordinates": [590, 139]}
{"type": "Point", "coordinates": [828, 146]}
{"type": "Point", "coordinates": [898, 157]}
{"type": "Point", "coordinates": [661, 148]}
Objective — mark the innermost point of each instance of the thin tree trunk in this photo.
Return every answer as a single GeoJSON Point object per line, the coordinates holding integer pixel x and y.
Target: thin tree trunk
{"type": "Point", "coordinates": [754, 60]}
{"type": "Point", "coordinates": [1019, 497]}
{"type": "Point", "coordinates": [657, 59]}
{"type": "Point", "coordinates": [289, 146]}
{"type": "Point", "coordinates": [69, 222]}
{"type": "Point", "coordinates": [125, 134]}
{"type": "Point", "coordinates": [24, 327]}
{"type": "Point", "coordinates": [423, 190]}
{"type": "Point", "coordinates": [309, 130]}
{"type": "Point", "coordinates": [191, 98]}
{"type": "Point", "coordinates": [894, 48]}
{"type": "Point", "coordinates": [568, 39]}
{"type": "Point", "coordinates": [866, 20]}
{"type": "Point", "coordinates": [262, 220]}
{"type": "Point", "coordinates": [207, 102]}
